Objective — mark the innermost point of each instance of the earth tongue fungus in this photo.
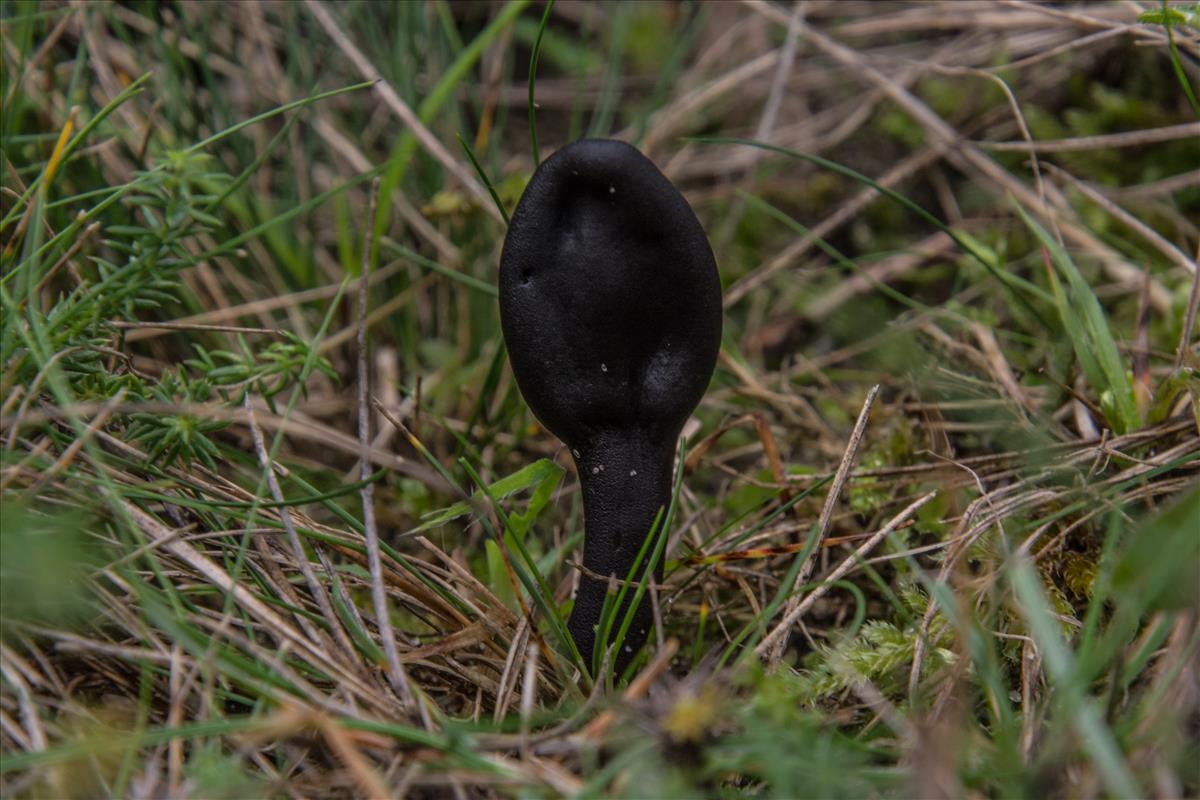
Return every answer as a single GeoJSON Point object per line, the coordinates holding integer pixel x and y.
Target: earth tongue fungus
{"type": "Point", "coordinates": [610, 304]}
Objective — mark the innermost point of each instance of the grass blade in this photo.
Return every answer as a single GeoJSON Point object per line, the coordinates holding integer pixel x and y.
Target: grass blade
{"type": "Point", "coordinates": [533, 62]}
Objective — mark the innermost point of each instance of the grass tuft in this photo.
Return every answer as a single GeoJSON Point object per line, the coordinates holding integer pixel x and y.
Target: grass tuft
{"type": "Point", "coordinates": [275, 519]}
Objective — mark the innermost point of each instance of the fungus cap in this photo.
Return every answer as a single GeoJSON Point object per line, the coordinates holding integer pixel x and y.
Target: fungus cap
{"type": "Point", "coordinates": [610, 300]}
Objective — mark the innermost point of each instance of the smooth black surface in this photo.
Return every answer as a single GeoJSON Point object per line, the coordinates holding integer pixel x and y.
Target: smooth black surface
{"type": "Point", "coordinates": [610, 303]}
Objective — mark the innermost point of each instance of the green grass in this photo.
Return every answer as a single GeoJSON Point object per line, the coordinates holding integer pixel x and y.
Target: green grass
{"type": "Point", "coordinates": [184, 209]}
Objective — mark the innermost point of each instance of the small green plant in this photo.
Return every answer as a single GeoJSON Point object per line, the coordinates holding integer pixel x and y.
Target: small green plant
{"type": "Point", "coordinates": [1175, 14]}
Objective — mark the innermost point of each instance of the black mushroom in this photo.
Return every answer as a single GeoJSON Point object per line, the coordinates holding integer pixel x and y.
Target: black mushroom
{"type": "Point", "coordinates": [610, 303]}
